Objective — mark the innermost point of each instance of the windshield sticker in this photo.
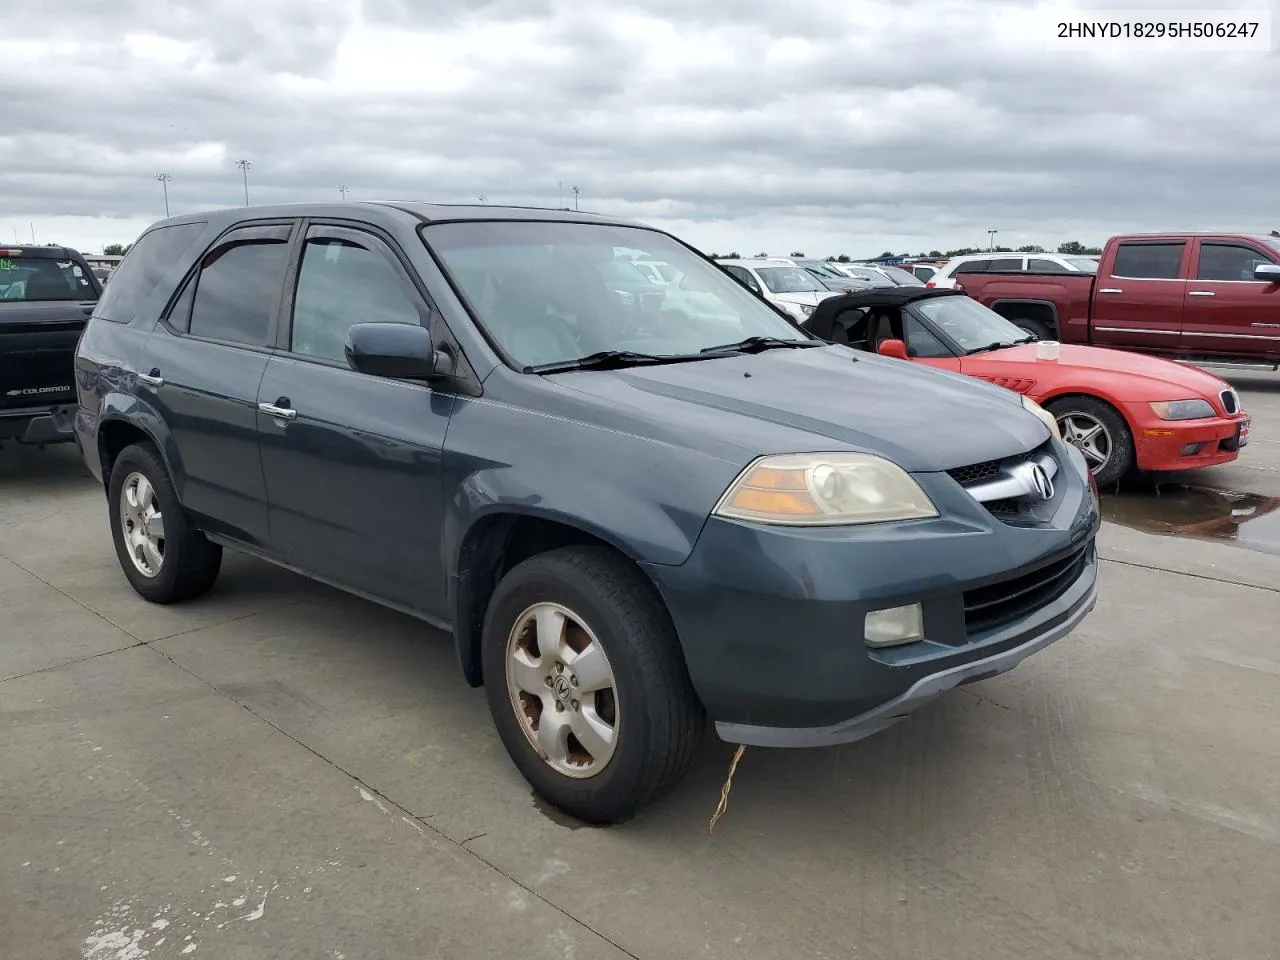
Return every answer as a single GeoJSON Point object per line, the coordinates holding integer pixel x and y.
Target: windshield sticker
{"type": "Point", "coordinates": [7, 264]}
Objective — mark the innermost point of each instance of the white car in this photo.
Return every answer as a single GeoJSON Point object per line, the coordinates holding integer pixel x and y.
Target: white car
{"type": "Point", "coordinates": [945, 278]}
{"type": "Point", "coordinates": [791, 288]}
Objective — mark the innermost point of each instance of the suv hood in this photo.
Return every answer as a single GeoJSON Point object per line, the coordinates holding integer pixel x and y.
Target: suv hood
{"type": "Point", "coordinates": [817, 399]}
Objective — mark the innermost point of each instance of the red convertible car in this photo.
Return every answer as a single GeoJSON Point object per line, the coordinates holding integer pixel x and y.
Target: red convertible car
{"type": "Point", "coordinates": [1123, 411]}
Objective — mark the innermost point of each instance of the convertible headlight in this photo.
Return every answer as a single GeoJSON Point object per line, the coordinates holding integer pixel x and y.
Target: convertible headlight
{"type": "Point", "coordinates": [1182, 409]}
{"type": "Point", "coordinates": [1045, 416]}
{"type": "Point", "coordinates": [824, 489]}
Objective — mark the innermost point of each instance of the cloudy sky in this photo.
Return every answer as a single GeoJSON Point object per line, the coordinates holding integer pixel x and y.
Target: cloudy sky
{"type": "Point", "coordinates": [826, 126]}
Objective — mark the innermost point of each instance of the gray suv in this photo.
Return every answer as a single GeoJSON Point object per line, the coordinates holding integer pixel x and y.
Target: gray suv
{"type": "Point", "coordinates": [631, 518]}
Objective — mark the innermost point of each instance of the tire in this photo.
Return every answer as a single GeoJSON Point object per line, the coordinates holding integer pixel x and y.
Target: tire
{"type": "Point", "coordinates": [651, 711]}
{"type": "Point", "coordinates": [1079, 414]}
{"type": "Point", "coordinates": [188, 563]}
{"type": "Point", "coordinates": [1037, 329]}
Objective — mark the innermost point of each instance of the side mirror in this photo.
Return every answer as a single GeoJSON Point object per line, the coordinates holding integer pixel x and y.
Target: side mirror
{"type": "Point", "coordinates": [1267, 272]}
{"type": "Point", "coordinates": [893, 348]}
{"type": "Point", "coordinates": [399, 350]}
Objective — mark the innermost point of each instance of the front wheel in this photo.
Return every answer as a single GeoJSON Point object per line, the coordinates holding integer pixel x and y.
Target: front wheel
{"type": "Point", "coordinates": [1099, 432]}
{"type": "Point", "coordinates": [586, 685]}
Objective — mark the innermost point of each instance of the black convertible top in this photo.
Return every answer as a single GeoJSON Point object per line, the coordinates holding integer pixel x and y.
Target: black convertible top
{"type": "Point", "coordinates": [823, 321]}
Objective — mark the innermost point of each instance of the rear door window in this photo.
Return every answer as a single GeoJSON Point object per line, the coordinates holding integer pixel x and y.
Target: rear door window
{"type": "Point", "coordinates": [1005, 264]}
{"type": "Point", "coordinates": [237, 291]}
{"type": "Point", "coordinates": [142, 269]}
{"type": "Point", "coordinates": [1037, 265]}
{"type": "Point", "coordinates": [973, 266]}
{"type": "Point", "coordinates": [1149, 261]}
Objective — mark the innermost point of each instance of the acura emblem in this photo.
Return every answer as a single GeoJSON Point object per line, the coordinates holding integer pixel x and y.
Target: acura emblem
{"type": "Point", "coordinates": [1044, 486]}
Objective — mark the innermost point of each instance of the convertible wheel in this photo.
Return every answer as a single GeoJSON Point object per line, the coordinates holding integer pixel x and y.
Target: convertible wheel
{"type": "Point", "coordinates": [586, 684]}
{"type": "Point", "coordinates": [1099, 433]}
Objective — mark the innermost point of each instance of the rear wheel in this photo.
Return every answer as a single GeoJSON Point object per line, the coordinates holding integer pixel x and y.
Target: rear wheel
{"type": "Point", "coordinates": [164, 557]}
{"type": "Point", "coordinates": [586, 685]}
{"type": "Point", "coordinates": [1099, 432]}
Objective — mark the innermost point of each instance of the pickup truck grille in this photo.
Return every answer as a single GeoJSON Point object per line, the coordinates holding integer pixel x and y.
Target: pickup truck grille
{"type": "Point", "coordinates": [995, 604]}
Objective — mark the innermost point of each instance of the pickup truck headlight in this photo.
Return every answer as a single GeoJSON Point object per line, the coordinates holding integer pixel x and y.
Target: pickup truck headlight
{"type": "Point", "coordinates": [1182, 409]}
{"type": "Point", "coordinates": [824, 489]}
{"type": "Point", "coordinates": [1045, 416]}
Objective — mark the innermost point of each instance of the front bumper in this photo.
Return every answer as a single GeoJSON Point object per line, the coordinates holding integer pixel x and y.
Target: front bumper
{"type": "Point", "coordinates": [771, 619]}
{"type": "Point", "coordinates": [1167, 445]}
{"type": "Point", "coordinates": [39, 425]}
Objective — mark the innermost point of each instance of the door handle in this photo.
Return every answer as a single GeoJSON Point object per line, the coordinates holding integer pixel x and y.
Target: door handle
{"type": "Point", "coordinates": [1200, 293]}
{"type": "Point", "coordinates": [1111, 290]}
{"type": "Point", "coordinates": [152, 379]}
{"type": "Point", "coordinates": [280, 412]}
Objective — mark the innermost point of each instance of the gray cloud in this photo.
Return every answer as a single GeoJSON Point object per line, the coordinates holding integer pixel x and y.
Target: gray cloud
{"type": "Point", "coordinates": [879, 126]}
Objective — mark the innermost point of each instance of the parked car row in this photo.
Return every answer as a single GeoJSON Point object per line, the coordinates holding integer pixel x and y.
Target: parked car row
{"type": "Point", "coordinates": [624, 481]}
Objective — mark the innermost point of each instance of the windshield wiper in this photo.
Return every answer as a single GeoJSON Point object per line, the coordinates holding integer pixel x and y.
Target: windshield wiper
{"type": "Point", "coordinates": [1000, 345]}
{"type": "Point", "coordinates": [608, 360]}
{"type": "Point", "coordinates": [757, 344]}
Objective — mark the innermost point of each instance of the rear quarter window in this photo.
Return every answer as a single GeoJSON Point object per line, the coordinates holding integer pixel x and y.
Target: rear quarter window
{"type": "Point", "coordinates": [142, 269]}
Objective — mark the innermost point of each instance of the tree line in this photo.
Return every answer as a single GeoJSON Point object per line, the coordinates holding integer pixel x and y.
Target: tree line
{"type": "Point", "coordinates": [1072, 248]}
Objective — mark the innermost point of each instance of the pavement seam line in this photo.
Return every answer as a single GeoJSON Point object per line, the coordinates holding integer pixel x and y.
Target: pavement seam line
{"type": "Point", "coordinates": [1186, 573]}
{"type": "Point", "coordinates": [85, 606]}
{"type": "Point", "coordinates": [424, 821]}
{"type": "Point", "coordinates": [68, 663]}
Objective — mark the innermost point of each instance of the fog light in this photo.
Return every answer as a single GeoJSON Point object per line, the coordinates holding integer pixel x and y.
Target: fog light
{"type": "Point", "coordinates": [894, 626]}
{"type": "Point", "coordinates": [1191, 449]}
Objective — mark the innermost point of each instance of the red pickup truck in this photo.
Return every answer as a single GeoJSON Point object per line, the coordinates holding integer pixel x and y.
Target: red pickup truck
{"type": "Point", "coordinates": [1208, 297]}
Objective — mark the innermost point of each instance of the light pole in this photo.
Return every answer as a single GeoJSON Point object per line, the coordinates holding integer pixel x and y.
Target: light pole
{"type": "Point", "coordinates": [244, 166]}
{"type": "Point", "coordinates": [164, 179]}
{"type": "Point", "coordinates": [342, 191]}
{"type": "Point", "coordinates": [576, 191]}
{"type": "Point", "coordinates": [560, 184]}
{"type": "Point", "coordinates": [991, 236]}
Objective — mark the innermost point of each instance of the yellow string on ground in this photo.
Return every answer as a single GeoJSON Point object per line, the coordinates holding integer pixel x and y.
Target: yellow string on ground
{"type": "Point", "coordinates": [728, 785]}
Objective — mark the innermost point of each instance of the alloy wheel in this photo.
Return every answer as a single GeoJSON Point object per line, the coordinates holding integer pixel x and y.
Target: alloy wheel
{"type": "Point", "coordinates": [1088, 435]}
{"type": "Point", "coordinates": [142, 523]}
{"type": "Point", "coordinates": [563, 690]}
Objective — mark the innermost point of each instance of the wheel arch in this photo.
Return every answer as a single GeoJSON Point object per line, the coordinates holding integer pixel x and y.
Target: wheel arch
{"type": "Point", "coordinates": [494, 543]}
{"type": "Point", "coordinates": [1018, 308]}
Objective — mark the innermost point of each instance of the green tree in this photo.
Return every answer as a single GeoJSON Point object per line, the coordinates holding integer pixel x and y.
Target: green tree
{"type": "Point", "coordinates": [797, 253]}
{"type": "Point", "coordinates": [843, 258]}
{"type": "Point", "coordinates": [935, 254]}
{"type": "Point", "coordinates": [114, 250]}
{"type": "Point", "coordinates": [762, 254]}
{"type": "Point", "coordinates": [1031, 248]}
{"type": "Point", "coordinates": [887, 253]}
{"type": "Point", "coordinates": [1075, 248]}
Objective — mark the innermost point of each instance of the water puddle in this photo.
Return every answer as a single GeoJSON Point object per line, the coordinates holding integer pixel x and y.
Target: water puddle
{"type": "Point", "coordinates": [1248, 520]}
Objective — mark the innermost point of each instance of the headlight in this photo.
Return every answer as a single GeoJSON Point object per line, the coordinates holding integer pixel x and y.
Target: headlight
{"type": "Point", "coordinates": [1045, 416]}
{"type": "Point", "coordinates": [1182, 409]}
{"type": "Point", "coordinates": [807, 309]}
{"type": "Point", "coordinates": [824, 489]}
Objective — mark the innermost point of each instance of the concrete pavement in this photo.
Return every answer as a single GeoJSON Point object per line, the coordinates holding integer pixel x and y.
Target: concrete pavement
{"type": "Point", "coordinates": [279, 770]}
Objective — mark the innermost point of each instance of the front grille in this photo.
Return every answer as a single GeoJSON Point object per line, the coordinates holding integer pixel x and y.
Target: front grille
{"type": "Point", "coordinates": [974, 473]}
{"type": "Point", "coordinates": [996, 604]}
{"type": "Point", "coordinates": [1230, 402]}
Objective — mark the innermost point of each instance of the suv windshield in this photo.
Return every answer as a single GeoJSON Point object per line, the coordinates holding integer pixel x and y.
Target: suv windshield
{"type": "Point", "coordinates": [789, 280]}
{"type": "Point", "coordinates": [547, 292]}
{"type": "Point", "coordinates": [32, 278]}
{"type": "Point", "coordinates": [969, 323]}
{"type": "Point", "coordinates": [903, 277]}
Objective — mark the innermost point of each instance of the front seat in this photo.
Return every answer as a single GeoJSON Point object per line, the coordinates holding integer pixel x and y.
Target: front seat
{"type": "Point", "coordinates": [880, 329]}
